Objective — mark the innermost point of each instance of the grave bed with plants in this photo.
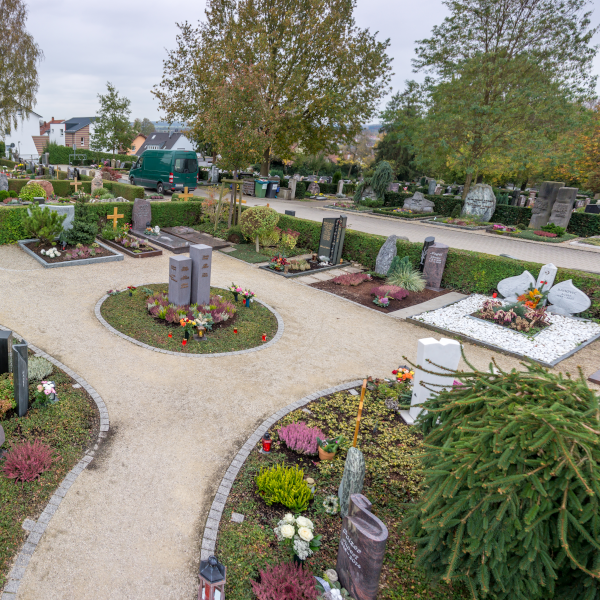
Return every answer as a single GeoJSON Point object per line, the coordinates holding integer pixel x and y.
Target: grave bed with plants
{"type": "Point", "coordinates": [49, 254]}
{"type": "Point", "coordinates": [128, 312]}
{"type": "Point", "coordinates": [391, 450]}
{"type": "Point", "coordinates": [119, 238]}
{"type": "Point", "coordinates": [400, 214]}
{"type": "Point", "coordinates": [460, 223]}
{"type": "Point", "coordinates": [68, 428]}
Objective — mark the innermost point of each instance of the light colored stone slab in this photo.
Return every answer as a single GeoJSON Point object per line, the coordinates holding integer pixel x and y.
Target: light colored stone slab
{"type": "Point", "coordinates": [512, 287]}
{"type": "Point", "coordinates": [432, 304]}
{"type": "Point", "coordinates": [566, 299]}
{"type": "Point", "coordinates": [237, 517]}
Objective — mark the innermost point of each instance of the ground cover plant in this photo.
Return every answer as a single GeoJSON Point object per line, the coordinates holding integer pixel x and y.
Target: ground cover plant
{"type": "Point", "coordinates": [543, 236]}
{"type": "Point", "coordinates": [520, 316]}
{"type": "Point", "coordinates": [67, 428]}
{"type": "Point", "coordinates": [392, 452]}
{"type": "Point", "coordinates": [127, 312]}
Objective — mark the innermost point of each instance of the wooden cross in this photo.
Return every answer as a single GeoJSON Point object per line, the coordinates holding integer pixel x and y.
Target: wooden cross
{"type": "Point", "coordinates": [76, 183]}
{"type": "Point", "coordinates": [185, 196]}
{"type": "Point", "coordinates": [114, 216]}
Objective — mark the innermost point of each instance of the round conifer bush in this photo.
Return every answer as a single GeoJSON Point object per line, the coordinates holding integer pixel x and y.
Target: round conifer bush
{"type": "Point", "coordinates": [510, 503]}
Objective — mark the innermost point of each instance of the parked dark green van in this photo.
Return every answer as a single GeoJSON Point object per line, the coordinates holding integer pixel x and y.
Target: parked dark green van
{"type": "Point", "coordinates": [166, 170]}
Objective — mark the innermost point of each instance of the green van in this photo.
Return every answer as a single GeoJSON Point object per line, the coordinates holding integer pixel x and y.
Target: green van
{"type": "Point", "coordinates": [166, 170]}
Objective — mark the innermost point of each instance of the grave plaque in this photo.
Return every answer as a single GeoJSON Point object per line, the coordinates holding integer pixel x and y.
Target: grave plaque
{"type": "Point", "coordinates": [173, 243]}
{"type": "Point", "coordinates": [428, 242]}
{"type": "Point", "coordinates": [142, 214]}
{"type": "Point", "coordinates": [393, 187]}
{"type": "Point", "coordinates": [431, 188]}
{"type": "Point", "coordinates": [201, 257]}
{"type": "Point", "coordinates": [595, 377]}
{"type": "Point", "coordinates": [196, 237]}
{"type": "Point", "coordinates": [5, 351]}
{"type": "Point", "coordinates": [566, 299]}
{"type": "Point", "coordinates": [314, 189]}
{"type": "Point", "coordinates": [362, 547]}
{"type": "Point", "coordinates": [21, 377]}
{"type": "Point", "coordinates": [563, 207]}
{"type": "Point", "coordinates": [540, 212]}
{"type": "Point", "coordinates": [331, 243]}
{"type": "Point", "coordinates": [180, 280]}
{"type": "Point", "coordinates": [435, 261]}
{"type": "Point", "coordinates": [593, 209]}
{"type": "Point", "coordinates": [480, 202]}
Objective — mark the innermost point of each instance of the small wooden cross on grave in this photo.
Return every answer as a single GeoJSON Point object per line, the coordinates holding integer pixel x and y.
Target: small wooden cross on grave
{"type": "Point", "coordinates": [76, 183]}
{"type": "Point", "coordinates": [185, 196]}
{"type": "Point", "coordinates": [115, 216]}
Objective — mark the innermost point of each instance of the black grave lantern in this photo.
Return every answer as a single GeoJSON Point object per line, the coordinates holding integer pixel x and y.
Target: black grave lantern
{"type": "Point", "coordinates": [212, 579]}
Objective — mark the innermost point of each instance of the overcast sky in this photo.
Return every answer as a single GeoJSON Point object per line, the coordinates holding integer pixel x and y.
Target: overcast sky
{"type": "Point", "coordinates": [87, 44]}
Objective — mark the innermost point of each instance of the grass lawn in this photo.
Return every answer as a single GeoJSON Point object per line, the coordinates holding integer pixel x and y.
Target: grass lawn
{"type": "Point", "coordinates": [247, 253]}
{"type": "Point", "coordinates": [529, 235]}
{"type": "Point", "coordinates": [129, 315]}
{"type": "Point", "coordinates": [591, 241]}
{"type": "Point", "coordinates": [391, 451]}
{"type": "Point", "coordinates": [68, 427]}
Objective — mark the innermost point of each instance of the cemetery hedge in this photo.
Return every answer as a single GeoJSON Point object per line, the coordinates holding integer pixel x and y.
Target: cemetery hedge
{"type": "Point", "coordinates": [63, 187]}
{"type": "Point", "coordinates": [60, 154]}
{"type": "Point", "coordinates": [7, 163]}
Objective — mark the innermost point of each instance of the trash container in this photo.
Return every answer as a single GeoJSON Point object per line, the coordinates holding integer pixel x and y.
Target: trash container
{"type": "Point", "coordinates": [260, 188]}
{"type": "Point", "coordinates": [272, 189]}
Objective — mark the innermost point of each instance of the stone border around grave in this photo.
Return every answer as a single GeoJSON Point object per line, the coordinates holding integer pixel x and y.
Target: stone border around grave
{"type": "Point", "coordinates": [116, 256]}
{"type": "Point", "coordinates": [18, 571]}
{"type": "Point", "coordinates": [465, 227]}
{"type": "Point", "coordinates": [211, 526]}
{"type": "Point", "coordinates": [276, 337]}
{"type": "Point", "coordinates": [128, 252]}
{"type": "Point", "coordinates": [304, 273]}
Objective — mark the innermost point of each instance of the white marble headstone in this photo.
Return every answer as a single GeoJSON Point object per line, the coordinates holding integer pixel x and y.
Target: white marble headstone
{"type": "Point", "coordinates": [547, 274]}
{"type": "Point", "coordinates": [512, 287]}
{"type": "Point", "coordinates": [566, 299]}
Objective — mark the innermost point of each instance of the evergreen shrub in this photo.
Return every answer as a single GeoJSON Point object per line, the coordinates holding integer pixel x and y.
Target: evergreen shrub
{"type": "Point", "coordinates": [284, 485]}
{"type": "Point", "coordinates": [85, 226]}
{"type": "Point", "coordinates": [43, 223]}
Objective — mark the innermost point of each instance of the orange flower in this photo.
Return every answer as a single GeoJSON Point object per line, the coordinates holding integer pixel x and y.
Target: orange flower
{"type": "Point", "coordinates": [182, 322]}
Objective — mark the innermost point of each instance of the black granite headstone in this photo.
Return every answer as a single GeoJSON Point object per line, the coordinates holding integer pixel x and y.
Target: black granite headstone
{"type": "Point", "coordinates": [5, 351]}
{"type": "Point", "coordinates": [21, 377]}
{"type": "Point", "coordinates": [428, 242]}
{"type": "Point", "coordinates": [593, 209]}
{"type": "Point", "coordinates": [331, 243]}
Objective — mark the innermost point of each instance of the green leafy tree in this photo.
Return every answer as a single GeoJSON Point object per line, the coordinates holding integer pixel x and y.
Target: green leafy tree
{"type": "Point", "coordinates": [19, 54]}
{"type": "Point", "coordinates": [506, 77]}
{"type": "Point", "coordinates": [113, 130]}
{"type": "Point", "coordinates": [144, 126]}
{"type": "Point", "coordinates": [512, 486]}
{"type": "Point", "coordinates": [382, 177]}
{"type": "Point", "coordinates": [325, 77]}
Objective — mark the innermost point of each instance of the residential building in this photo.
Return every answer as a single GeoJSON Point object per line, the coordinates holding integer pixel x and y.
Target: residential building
{"type": "Point", "coordinates": [23, 136]}
{"type": "Point", "coordinates": [166, 141]}
{"type": "Point", "coordinates": [78, 131]}
{"type": "Point", "coordinates": [136, 144]}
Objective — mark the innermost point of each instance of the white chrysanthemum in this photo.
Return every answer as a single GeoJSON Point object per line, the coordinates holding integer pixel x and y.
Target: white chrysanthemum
{"type": "Point", "coordinates": [305, 533]}
{"type": "Point", "coordinates": [304, 522]}
{"type": "Point", "coordinates": [287, 531]}
{"type": "Point", "coordinates": [289, 518]}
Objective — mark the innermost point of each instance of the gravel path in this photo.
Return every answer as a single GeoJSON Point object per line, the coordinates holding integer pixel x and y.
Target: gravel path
{"type": "Point", "coordinates": [130, 527]}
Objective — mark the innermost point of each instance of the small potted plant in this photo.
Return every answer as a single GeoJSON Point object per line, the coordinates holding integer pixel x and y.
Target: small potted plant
{"type": "Point", "coordinates": [329, 447]}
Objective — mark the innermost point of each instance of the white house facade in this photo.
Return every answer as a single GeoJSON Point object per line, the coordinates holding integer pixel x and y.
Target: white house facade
{"type": "Point", "coordinates": [22, 137]}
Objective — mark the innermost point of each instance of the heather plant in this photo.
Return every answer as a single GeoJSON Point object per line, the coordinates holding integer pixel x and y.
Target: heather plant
{"type": "Point", "coordinates": [301, 438]}
{"type": "Point", "coordinates": [351, 279]}
{"type": "Point", "coordinates": [286, 581]}
{"type": "Point", "coordinates": [27, 461]}
{"type": "Point", "coordinates": [219, 310]}
{"type": "Point", "coordinates": [391, 291]}
{"type": "Point", "coordinates": [511, 496]}
{"type": "Point", "coordinates": [284, 485]}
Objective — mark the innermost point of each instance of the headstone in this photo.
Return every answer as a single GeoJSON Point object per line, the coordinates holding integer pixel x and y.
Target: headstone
{"type": "Point", "coordinates": [393, 187]}
{"type": "Point", "coordinates": [113, 163]}
{"type": "Point", "coordinates": [180, 280]}
{"type": "Point", "coordinates": [46, 159]}
{"type": "Point", "coordinates": [480, 202]}
{"type": "Point", "coordinates": [64, 209]}
{"type": "Point", "coordinates": [563, 207]}
{"type": "Point", "coordinates": [292, 185]}
{"type": "Point", "coordinates": [386, 255]}
{"type": "Point", "coordinates": [428, 242]}
{"type": "Point", "coordinates": [436, 357]}
{"type": "Point", "coordinates": [419, 203]}
{"type": "Point", "coordinates": [449, 190]}
{"type": "Point", "coordinates": [542, 208]}
{"type": "Point", "coordinates": [438, 190]}
{"type": "Point", "coordinates": [201, 256]}
{"type": "Point", "coordinates": [361, 550]}
{"type": "Point", "coordinates": [51, 171]}
{"type": "Point", "coordinates": [142, 214]}
{"type": "Point", "coordinates": [435, 261]}
{"type": "Point", "coordinates": [3, 182]}
{"type": "Point", "coordinates": [5, 351]}
{"type": "Point", "coordinates": [566, 299]}
{"type": "Point", "coordinates": [512, 287]}
{"type": "Point", "coordinates": [431, 188]}
{"type": "Point", "coordinates": [70, 173]}
{"type": "Point", "coordinates": [21, 377]}
{"type": "Point", "coordinates": [2, 439]}
{"type": "Point", "coordinates": [522, 201]}
{"type": "Point", "coordinates": [352, 479]}
{"type": "Point", "coordinates": [314, 189]}
{"type": "Point", "coordinates": [593, 209]}
{"type": "Point", "coordinates": [340, 188]}
{"type": "Point", "coordinates": [97, 182]}
{"type": "Point", "coordinates": [44, 184]}
{"type": "Point", "coordinates": [331, 242]}
{"type": "Point", "coordinates": [214, 174]}
{"type": "Point", "coordinates": [547, 274]}
{"type": "Point", "coordinates": [291, 213]}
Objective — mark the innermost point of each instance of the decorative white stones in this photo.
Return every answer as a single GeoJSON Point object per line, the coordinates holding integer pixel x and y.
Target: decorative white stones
{"type": "Point", "coordinates": [511, 287]}
{"type": "Point", "coordinates": [566, 299]}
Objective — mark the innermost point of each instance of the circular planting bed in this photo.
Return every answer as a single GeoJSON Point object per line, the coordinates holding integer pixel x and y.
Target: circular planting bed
{"type": "Point", "coordinates": [248, 328]}
{"type": "Point", "coordinates": [391, 450]}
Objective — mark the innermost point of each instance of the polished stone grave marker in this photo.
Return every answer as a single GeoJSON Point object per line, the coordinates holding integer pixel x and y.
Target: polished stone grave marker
{"type": "Point", "coordinates": [196, 237]}
{"type": "Point", "coordinates": [595, 377]}
{"type": "Point", "coordinates": [563, 207]}
{"type": "Point", "coordinates": [5, 351]}
{"type": "Point", "coordinates": [169, 242]}
{"type": "Point", "coordinates": [331, 243]}
{"type": "Point", "coordinates": [201, 257]}
{"type": "Point", "coordinates": [361, 551]}
{"type": "Point", "coordinates": [428, 242]}
{"type": "Point", "coordinates": [540, 212]}
{"type": "Point", "coordinates": [435, 261]}
{"type": "Point", "coordinates": [21, 377]}
{"type": "Point", "coordinates": [180, 280]}
{"type": "Point", "coordinates": [431, 187]}
{"type": "Point", "coordinates": [142, 214]}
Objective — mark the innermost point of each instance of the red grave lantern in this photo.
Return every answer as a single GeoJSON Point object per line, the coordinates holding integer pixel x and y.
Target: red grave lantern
{"type": "Point", "coordinates": [266, 442]}
{"type": "Point", "coordinates": [212, 579]}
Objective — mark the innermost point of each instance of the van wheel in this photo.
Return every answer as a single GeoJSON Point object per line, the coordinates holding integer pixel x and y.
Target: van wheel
{"type": "Point", "coordinates": [132, 181]}
{"type": "Point", "coordinates": [160, 188]}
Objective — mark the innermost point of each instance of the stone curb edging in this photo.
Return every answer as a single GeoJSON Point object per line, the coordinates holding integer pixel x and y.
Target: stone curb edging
{"type": "Point", "coordinates": [115, 256]}
{"type": "Point", "coordinates": [211, 527]}
{"type": "Point", "coordinates": [275, 339]}
{"type": "Point", "coordinates": [18, 571]}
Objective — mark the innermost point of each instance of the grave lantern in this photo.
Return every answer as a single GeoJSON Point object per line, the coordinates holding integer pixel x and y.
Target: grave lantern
{"type": "Point", "coordinates": [266, 442]}
{"type": "Point", "coordinates": [212, 579]}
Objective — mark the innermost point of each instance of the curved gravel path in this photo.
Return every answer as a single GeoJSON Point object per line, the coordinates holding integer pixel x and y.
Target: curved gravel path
{"type": "Point", "coordinates": [131, 524]}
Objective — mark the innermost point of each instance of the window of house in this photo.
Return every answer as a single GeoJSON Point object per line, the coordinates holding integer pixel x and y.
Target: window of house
{"type": "Point", "coordinates": [53, 131]}
{"type": "Point", "coordinates": [61, 132]}
{"type": "Point", "coordinates": [82, 141]}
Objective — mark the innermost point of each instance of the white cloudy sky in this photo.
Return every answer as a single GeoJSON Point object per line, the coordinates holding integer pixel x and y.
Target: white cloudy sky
{"type": "Point", "coordinates": [87, 44]}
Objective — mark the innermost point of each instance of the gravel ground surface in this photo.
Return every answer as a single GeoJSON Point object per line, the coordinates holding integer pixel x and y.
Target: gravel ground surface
{"type": "Point", "coordinates": [130, 527]}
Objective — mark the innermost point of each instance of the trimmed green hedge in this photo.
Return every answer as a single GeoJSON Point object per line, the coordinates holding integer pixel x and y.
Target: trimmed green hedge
{"type": "Point", "coordinates": [64, 188]}
{"type": "Point", "coordinates": [60, 155]}
{"type": "Point", "coordinates": [7, 163]}
{"type": "Point", "coordinates": [465, 271]}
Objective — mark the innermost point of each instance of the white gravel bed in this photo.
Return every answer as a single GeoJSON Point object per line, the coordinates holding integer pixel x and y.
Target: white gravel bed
{"type": "Point", "coordinates": [563, 336]}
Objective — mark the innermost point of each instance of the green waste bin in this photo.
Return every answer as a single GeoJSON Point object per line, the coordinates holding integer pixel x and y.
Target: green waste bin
{"type": "Point", "coordinates": [260, 188]}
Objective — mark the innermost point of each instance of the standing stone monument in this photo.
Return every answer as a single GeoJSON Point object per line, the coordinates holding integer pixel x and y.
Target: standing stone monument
{"type": "Point", "coordinates": [563, 207]}
{"type": "Point", "coordinates": [361, 550]}
{"type": "Point", "coordinates": [431, 188]}
{"type": "Point", "coordinates": [331, 243]}
{"type": "Point", "coordinates": [438, 190]}
{"type": "Point", "coordinates": [542, 208]}
{"type": "Point", "coordinates": [214, 174]}
{"type": "Point", "coordinates": [340, 188]}
{"type": "Point", "coordinates": [438, 357]}
{"type": "Point", "coordinates": [5, 351]}
{"type": "Point", "coordinates": [393, 187]}
{"type": "Point", "coordinates": [567, 300]}
{"type": "Point", "coordinates": [314, 189]}
{"type": "Point", "coordinates": [428, 242]}
{"type": "Point", "coordinates": [21, 377]}
{"type": "Point", "coordinates": [97, 183]}
{"type": "Point", "coordinates": [435, 261]}
{"type": "Point", "coordinates": [386, 255]}
{"type": "Point", "coordinates": [201, 257]}
{"type": "Point", "coordinates": [3, 182]}
{"type": "Point", "coordinates": [547, 275]}
{"type": "Point", "coordinates": [113, 163]}
{"type": "Point", "coordinates": [142, 214]}
{"type": "Point", "coordinates": [293, 182]}
{"type": "Point", "coordinates": [419, 203]}
{"type": "Point", "coordinates": [512, 287]}
{"type": "Point", "coordinates": [64, 209]}
{"type": "Point", "coordinates": [480, 202]}
{"type": "Point", "coordinates": [180, 280]}
{"type": "Point", "coordinates": [352, 479]}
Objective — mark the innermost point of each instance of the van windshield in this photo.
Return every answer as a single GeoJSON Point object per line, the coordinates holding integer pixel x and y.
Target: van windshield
{"type": "Point", "coordinates": [186, 165]}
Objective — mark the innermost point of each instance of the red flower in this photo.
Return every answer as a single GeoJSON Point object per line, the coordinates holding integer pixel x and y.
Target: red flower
{"type": "Point", "coordinates": [494, 295]}
{"type": "Point", "coordinates": [395, 372]}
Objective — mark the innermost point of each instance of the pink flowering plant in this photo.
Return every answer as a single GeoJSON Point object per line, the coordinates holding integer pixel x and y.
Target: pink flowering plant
{"type": "Point", "coordinates": [301, 438]}
{"type": "Point", "coordinates": [248, 294]}
{"type": "Point", "coordinates": [382, 301]}
{"type": "Point", "coordinates": [45, 394]}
